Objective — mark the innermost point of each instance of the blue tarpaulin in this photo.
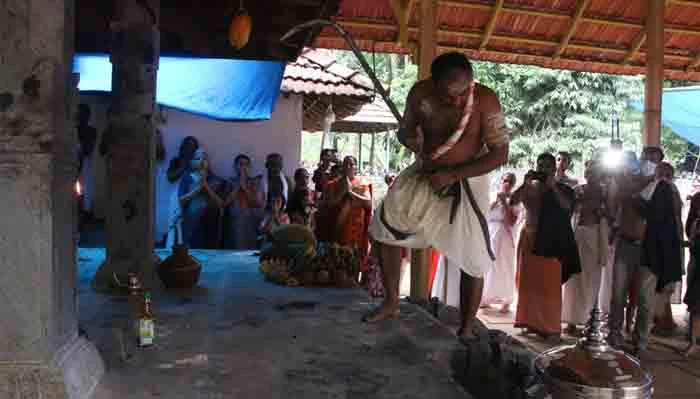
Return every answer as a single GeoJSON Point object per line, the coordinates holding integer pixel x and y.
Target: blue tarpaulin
{"type": "Point", "coordinates": [680, 111]}
{"type": "Point", "coordinates": [217, 88]}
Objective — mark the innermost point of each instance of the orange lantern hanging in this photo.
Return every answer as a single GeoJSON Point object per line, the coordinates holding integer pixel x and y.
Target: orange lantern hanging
{"type": "Point", "coordinates": [239, 31]}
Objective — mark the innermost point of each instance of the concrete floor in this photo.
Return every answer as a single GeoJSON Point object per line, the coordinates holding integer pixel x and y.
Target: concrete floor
{"type": "Point", "coordinates": [238, 336]}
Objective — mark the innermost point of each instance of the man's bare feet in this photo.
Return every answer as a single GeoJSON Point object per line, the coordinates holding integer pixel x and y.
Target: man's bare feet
{"type": "Point", "coordinates": [691, 351]}
{"type": "Point", "coordinates": [385, 311]}
{"type": "Point", "coordinates": [465, 336]}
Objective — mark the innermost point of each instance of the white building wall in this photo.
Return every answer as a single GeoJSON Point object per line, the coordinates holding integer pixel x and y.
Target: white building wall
{"type": "Point", "coordinates": [222, 140]}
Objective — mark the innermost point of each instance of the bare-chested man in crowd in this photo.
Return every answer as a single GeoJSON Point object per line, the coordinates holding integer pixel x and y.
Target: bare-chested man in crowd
{"type": "Point", "coordinates": [457, 130]}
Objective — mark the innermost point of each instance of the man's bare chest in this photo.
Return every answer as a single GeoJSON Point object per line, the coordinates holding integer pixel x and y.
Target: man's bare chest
{"type": "Point", "coordinates": [439, 121]}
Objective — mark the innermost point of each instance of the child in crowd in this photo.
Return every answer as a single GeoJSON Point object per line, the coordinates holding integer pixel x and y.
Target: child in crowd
{"type": "Point", "coordinates": [274, 215]}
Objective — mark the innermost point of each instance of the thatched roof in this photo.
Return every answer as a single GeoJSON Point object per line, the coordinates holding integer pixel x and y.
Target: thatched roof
{"type": "Point", "coordinates": [374, 117]}
{"type": "Point", "coordinates": [323, 81]}
{"type": "Point", "coordinates": [605, 36]}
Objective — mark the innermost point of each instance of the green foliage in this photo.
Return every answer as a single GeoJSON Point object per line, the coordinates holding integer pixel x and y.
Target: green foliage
{"type": "Point", "coordinates": [546, 110]}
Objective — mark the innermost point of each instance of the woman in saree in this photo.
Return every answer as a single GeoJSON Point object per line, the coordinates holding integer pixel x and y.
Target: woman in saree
{"type": "Point", "coordinates": [243, 207]}
{"type": "Point", "coordinates": [349, 201]}
{"type": "Point", "coordinates": [200, 195]}
{"type": "Point", "coordinates": [499, 286]}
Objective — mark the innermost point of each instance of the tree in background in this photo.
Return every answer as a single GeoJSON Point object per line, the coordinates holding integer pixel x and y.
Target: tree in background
{"type": "Point", "coordinates": [546, 110]}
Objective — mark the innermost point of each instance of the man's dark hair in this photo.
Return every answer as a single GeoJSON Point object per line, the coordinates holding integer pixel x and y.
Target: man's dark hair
{"type": "Point", "coordinates": [239, 157]}
{"type": "Point", "coordinates": [546, 157]}
{"type": "Point", "coordinates": [327, 151]}
{"type": "Point", "coordinates": [299, 173]}
{"type": "Point", "coordinates": [651, 149]}
{"type": "Point", "coordinates": [273, 155]}
{"type": "Point", "coordinates": [354, 160]}
{"type": "Point", "coordinates": [445, 63]}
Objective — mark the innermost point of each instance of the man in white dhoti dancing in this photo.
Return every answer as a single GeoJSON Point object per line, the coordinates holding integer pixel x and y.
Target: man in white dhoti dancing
{"type": "Point", "coordinates": [457, 130]}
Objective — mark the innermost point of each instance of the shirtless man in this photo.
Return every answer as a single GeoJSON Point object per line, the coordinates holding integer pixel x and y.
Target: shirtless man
{"type": "Point", "coordinates": [457, 130]}
{"type": "Point", "coordinates": [590, 229]}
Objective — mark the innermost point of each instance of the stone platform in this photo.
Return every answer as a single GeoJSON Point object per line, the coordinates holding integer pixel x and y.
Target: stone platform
{"type": "Point", "coordinates": [238, 336]}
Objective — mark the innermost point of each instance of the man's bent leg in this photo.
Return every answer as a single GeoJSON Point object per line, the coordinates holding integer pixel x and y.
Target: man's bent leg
{"type": "Point", "coordinates": [390, 260]}
{"type": "Point", "coordinates": [621, 281]}
{"type": "Point", "coordinates": [470, 290]}
{"type": "Point", "coordinates": [645, 308]}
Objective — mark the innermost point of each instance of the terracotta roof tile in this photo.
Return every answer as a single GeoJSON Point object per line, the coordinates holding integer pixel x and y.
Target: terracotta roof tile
{"type": "Point", "coordinates": [317, 72]}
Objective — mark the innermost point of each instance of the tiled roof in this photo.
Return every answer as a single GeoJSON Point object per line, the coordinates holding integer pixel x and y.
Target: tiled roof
{"type": "Point", "coordinates": [317, 72]}
{"type": "Point", "coordinates": [373, 117]}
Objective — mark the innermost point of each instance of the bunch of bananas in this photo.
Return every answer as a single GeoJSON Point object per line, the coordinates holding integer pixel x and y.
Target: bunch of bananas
{"type": "Point", "coordinates": [332, 264]}
{"type": "Point", "coordinates": [277, 270]}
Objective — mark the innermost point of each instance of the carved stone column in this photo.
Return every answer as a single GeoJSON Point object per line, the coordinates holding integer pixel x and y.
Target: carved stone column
{"type": "Point", "coordinates": [41, 354]}
{"type": "Point", "coordinates": [131, 152]}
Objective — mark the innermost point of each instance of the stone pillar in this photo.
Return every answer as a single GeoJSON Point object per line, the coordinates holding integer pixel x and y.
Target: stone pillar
{"type": "Point", "coordinates": [655, 73]}
{"type": "Point", "coordinates": [41, 354]}
{"type": "Point", "coordinates": [131, 154]}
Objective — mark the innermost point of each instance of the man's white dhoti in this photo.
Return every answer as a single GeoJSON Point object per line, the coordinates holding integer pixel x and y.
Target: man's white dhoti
{"type": "Point", "coordinates": [583, 289]}
{"type": "Point", "coordinates": [452, 296]}
{"type": "Point", "coordinates": [413, 215]}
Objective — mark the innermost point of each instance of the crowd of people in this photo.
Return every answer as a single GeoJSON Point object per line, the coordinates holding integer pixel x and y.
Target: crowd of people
{"type": "Point", "coordinates": [212, 212]}
{"type": "Point", "coordinates": [615, 240]}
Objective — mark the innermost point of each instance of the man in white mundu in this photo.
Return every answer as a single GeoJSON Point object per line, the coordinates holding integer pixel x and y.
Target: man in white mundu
{"type": "Point", "coordinates": [457, 130]}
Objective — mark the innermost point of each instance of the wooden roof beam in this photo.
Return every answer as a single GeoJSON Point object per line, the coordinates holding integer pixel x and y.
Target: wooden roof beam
{"type": "Point", "coordinates": [636, 45]}
{"type": "Point", "coordinates": [540, 12]}
{"type": "Point", "coordinates": [684, 3]}
{"type": "Point", "coordinates": [491, 24]}
{"type": "Point", "coordinates": [575, 19]}
{"type": "Point", "coordinates": [693, 64]}
{"type": "Point", "coordinates": [514, 39]}
{"type": "Point", "coordinates": [402, 14]}
{"type": "Point", "coordinates": [639, 69]}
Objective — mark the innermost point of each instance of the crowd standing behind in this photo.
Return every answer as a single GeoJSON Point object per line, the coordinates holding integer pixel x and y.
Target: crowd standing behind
{"type": "Point", "coordinates": [562, 246]}
{"type": "Point", "coordinates": [615, 239]}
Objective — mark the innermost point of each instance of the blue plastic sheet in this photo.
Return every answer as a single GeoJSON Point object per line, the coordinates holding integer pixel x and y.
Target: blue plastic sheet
{"type": "Point", "coordinates": [680, 111]}
{"type": "Point", "coordinates": [223, 89]}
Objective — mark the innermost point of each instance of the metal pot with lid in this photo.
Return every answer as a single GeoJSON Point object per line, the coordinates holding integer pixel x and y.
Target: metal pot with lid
{"type": "Point", "coordinates": [592, 368]}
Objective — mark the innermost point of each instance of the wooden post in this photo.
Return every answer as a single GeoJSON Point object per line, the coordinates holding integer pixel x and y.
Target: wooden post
{"type": "Point", "coordinates": [371, 152]}
{"type": "Point", "coordinates": [387, 154]}
{"type": "Point", "coordinates": [427, 51]}
{"type": "Point", "coordinates": [655, 73]}
{"type": "Point", "coordinates": [359, 152]}
{"type": "Point", "coordinates": [427, 39]}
